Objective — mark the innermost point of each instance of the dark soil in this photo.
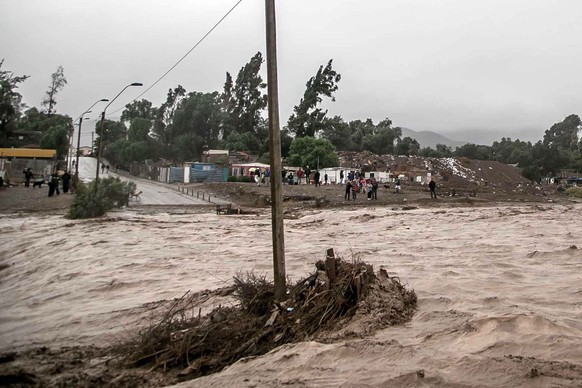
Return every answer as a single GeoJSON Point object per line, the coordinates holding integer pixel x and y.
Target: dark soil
{"type": "Point", "coordinates": [15, 199]}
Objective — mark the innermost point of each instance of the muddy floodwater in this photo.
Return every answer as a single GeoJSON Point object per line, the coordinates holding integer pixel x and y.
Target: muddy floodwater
{"type": "Point", "coordinates": [499, 288]}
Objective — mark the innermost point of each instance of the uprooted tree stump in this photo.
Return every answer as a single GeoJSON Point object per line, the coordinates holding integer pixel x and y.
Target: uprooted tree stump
{"type": "Point", "coordinates": [323, 302]}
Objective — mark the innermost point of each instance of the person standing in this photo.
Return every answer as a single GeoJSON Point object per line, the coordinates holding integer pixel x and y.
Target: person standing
{"type": "Point", "coordinates": [316, 177]}
{"type": "Point", "coordinates": [325, 179]}
{"type": "Point", "coordinates": [307, 174]}
{"type": "Point", "coordinates": [267, 177]}
{"type": "Point", "coordinates": [397, 185]}
{"type": "Point", "coordinates": [348, 190]}
{"type": "Point", "coordinates": [299, 175]}
{"type": "Point", "coordinates": [341, 177]}
{"type": "Point", "coordinates": [54, 185]}
{"type": "Point", "coordinates": [432, 188]}
{"type": "Point", "coordinates": [66, 181]}
{"type": "Point", "coordinates": [102, 168]}
{"type": "Point", "coordinates": [374, 188]}
{"type": "Point", "coordinates": [27, 176]}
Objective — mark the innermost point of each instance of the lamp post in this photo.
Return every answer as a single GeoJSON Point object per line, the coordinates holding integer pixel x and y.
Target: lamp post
{"type": "Point", "coordinates": [79, 134]}
{"type": "Point", "coordinates": [100, 146]}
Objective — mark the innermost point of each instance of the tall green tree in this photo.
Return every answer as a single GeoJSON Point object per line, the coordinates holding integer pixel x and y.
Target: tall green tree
{"type": "Point", "coordinates": [562, 138]}
{"type": "Point", "coordinates": [57, 137]}
{"type": "Point", "coordinates": [407, 146]}
{"type": "Point", "coordinates": [380, 138]}
{"type": "Point", "coordinates": [58, 82]}
{"type": "Point", "coordinates": [142, 109]}
{"type": "Point", "coordinates": [163, 129]}
{"type": "Point", "coordinates": [10, 102]}
{"type": "Point", "coordinates": [339, 133]}
{"type": "Point", "coordinates": [307, 118]}
{"type": "Point", "coordinates": [244, 100]}
{"type": "Point", "coordinates": [197, 124]}
{"type": "Point", "coordinates": [308, 151]}
{"type": "Point", "coordinates": [113, 131]}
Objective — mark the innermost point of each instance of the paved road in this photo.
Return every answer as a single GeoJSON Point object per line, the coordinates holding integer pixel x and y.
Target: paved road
{"type": "Point", "coordinates": [153, 193]}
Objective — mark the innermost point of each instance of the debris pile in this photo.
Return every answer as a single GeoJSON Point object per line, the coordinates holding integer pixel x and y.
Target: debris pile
{"type": "Point", "coordinates": [316, 306]}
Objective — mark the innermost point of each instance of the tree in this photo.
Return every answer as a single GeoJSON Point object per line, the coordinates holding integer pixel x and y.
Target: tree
{"type": "Point", "coordinates": [196, 124]}
{"type": "Point", "coordinates": [473, 151]}
{"type": "Point", "coordinates": [58, 82]}
{"type": "Point", "coordinates": [57, 137]}
{"type": "Point", "coordinates": [10, 102]}
{"type": "Point", "coordinates": [112, 132]}
{"type": "Point", "coordinates": [339, 133]}
{"type": "Point", "coordinates": [380, 139]}
{"type": "Point", "coordinates": [308, 151]}
{"type": "Point", "coordinates": [163, 129]}
{"type": "Point", "coordinates": [142, 109]}
{"type": "Point", "coordinates": [562, 138]}
{"type": "Point", "coordinates": [45, 131]}
{"type": "Point", "coordinates": [407, 146]}
{"type": "Point", "coordinates": [243, 101]}
{"type": "Point", "coordinates": [307, 118]}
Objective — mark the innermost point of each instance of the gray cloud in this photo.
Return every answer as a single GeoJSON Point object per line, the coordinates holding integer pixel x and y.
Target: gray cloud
{"type": "Point", "coordinates": [451, 66]}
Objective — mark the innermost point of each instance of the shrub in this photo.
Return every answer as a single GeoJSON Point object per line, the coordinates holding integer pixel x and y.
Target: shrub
{"type": "Point", "coordinates": [575, 192]}
{"type": "Point", "coordinates": [232, 178]}
{"type": "Point", "coordinates": [96, 200]}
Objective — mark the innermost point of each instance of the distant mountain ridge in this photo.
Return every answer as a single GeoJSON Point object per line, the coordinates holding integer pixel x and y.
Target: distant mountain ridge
{"type": "Point", "coordinates": [431, 139]}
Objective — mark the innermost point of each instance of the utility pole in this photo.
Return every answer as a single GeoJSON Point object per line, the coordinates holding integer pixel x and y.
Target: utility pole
{"type": "Point", "coordinates": [275, 155]}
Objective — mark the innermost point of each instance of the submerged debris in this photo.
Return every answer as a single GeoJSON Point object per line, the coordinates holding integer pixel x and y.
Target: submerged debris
{"type": "Point", "coordinates": [324, 302]}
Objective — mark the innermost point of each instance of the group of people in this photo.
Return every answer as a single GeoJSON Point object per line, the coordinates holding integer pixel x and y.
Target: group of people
{"type": "Point", "coordinates": [361, 185]}
{"type": "Point", "coordinates": [317, 179]}
{"type": "Point", "coordinates": [104, 167]}
{"type": "Point", "coordinates": [54, 181]}
{"type": "Point", "coordinates": [261, 176]}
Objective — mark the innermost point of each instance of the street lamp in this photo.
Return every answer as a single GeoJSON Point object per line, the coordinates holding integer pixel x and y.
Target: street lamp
{"type": "Point", "coordinates": [79, 134]}
{"type": "Point", "coordinates": [100, 149]}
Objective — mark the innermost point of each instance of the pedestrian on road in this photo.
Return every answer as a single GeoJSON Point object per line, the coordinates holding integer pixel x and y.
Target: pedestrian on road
{"type": "Point", "coordinates": [316, 177]}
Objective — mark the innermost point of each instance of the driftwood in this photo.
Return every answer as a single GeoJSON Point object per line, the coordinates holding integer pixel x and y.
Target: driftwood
{"type": "Point", "coordinates": [201, 345]}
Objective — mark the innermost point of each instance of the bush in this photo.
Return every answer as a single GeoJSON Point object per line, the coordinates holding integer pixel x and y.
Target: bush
{"type": "Point", "coordinates": [232, 178]}
{"type": "Point", "coordinates": [96, 200]}
{"type": "Point", "coordinates": [575, 192]}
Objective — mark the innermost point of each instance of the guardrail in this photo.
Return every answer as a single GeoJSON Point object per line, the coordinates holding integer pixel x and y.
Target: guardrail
{"type": "Point", "coordinates": [205, 196]}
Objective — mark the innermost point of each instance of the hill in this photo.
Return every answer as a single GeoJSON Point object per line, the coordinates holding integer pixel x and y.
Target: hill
{"type": "Point", "coordinates": [431, 139]}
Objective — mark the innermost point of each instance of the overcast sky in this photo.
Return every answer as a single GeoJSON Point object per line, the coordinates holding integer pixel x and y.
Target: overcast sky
{"type": "Point", "coordinates": [474, 70]}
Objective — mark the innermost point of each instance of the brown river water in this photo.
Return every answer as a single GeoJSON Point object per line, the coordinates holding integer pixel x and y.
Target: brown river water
{"type": "Point", "coordinates": [499, 288]}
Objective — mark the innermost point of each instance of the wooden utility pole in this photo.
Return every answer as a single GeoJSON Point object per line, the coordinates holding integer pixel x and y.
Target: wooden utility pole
{"type": "Point", "coordinates": [275, 155]}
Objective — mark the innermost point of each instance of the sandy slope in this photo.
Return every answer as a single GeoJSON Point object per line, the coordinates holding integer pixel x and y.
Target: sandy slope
{"type": "Point", "coordinates": [499, 288]}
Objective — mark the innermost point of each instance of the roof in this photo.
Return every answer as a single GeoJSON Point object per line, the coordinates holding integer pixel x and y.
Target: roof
{"type": "Point", "coordinates": [215, 152]}
{"type": "Point", "coordinates": [256, 164]}
{"type": "Point", "coordinates": [27, 153]}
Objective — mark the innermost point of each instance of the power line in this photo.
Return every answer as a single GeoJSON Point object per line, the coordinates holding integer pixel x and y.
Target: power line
{"type": "Point", "coordinates": [184, 56]}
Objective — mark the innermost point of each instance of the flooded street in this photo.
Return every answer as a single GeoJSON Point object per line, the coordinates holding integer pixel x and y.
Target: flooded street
{"type": "Point", "coordinates": [499, 288]}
